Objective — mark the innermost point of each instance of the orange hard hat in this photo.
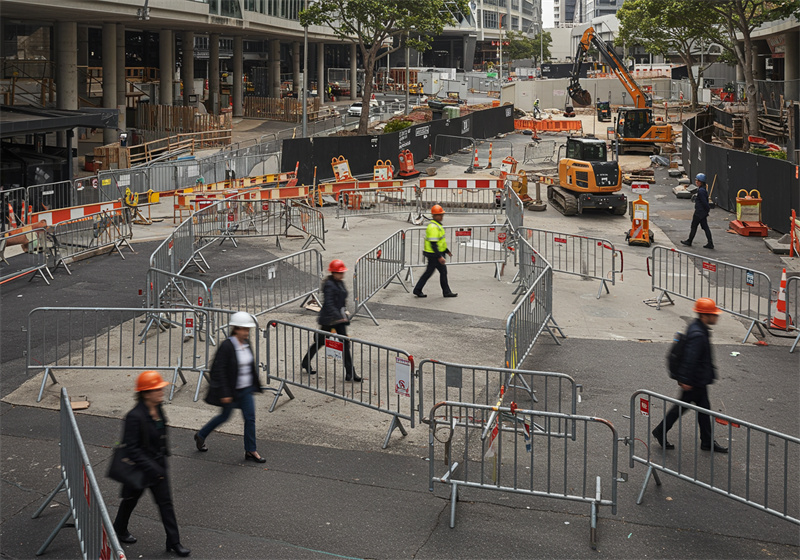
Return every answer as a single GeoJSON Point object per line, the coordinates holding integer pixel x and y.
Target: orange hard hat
{"type": "Point", "coordinates": [149, 381]}
{"type": "Point", "coordinates": [337, 266]}
{"type": "Point", "coordinates": [437, 210]}
{"type": "Point", "coordinates": [706, 306]}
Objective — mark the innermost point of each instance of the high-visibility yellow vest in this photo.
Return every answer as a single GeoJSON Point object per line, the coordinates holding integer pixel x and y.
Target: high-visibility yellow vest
{"type": "Point", "coordinates": [434, 233]}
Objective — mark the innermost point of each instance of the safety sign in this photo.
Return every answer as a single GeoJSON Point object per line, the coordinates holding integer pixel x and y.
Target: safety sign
{"type": "Point", "coordinates": [333, 348]}
{"type": "Point", "coordinates": [402, 377]}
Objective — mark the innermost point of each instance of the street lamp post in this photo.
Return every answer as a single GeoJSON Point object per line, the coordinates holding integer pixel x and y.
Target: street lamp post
{"type": "Point", "coordinates": [304, 79]}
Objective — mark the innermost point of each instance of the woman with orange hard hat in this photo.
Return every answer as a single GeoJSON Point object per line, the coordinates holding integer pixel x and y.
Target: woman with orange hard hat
{"type": "Point", "coordinates": [333, 317]}
{"type": "Point", "coordinates": [145, 437]}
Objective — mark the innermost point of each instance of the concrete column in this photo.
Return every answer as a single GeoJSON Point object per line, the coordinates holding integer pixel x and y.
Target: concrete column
{"type": "Point", "coordinates": [166, 67]}
{"type": "Point", "coordinates": [238, 73]}
{"type": "Point", "coordinates": [353, 71]}
{"type": "Point", "coordinates": [83, 60]}
{"type": "Point", "coordinates": [109, 76]}
{"type": "Point", "coordinates": [213, 72]}
{"type": "Point", "coordinates": [791, 66]}
{"type": "Point", "coordinates": [67, 75]}
{"type": "Point", "coordinates": [321, 79]}
{"type": "Point", "coordinates": [275, 67]}
{"type": "Point", "coordinates": [122, 82]}
{"type": "Point", "coordinates": [296, 68]}
{"type": "Point", "coordinates": [187, 66]}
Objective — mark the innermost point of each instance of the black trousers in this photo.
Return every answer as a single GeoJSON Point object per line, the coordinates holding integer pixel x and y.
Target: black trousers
{"type": "Point", "coordinates": [433, 265]}
{"type": "Point", "coordinates": [319, 342]}
{"type": "Point", "coordinates": [695, 395]}
{"type": "Point", "coordinates": [162, 497]}
{"type": "Point", "coordinates": [703, 223]}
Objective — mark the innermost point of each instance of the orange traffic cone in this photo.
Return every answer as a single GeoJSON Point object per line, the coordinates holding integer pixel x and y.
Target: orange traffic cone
{"type": "Point", "coordinates": [779, 319]}
{"type": "Point", "coordinates": [475, 164]}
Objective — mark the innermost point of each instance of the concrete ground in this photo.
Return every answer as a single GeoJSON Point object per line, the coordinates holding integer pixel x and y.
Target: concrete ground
{"type": "Point", "coordinates": [328, 489]}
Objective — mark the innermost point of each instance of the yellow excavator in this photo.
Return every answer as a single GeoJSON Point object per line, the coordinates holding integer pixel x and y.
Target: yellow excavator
{"type": "Point", "coordinates": [635, 127]}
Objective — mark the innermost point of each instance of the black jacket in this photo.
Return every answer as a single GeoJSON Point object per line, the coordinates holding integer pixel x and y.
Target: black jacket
{"type": "Point", "coordinates": [334, 303]}
{"type": "Point", "coordinates": [701, 205]}
{"type": "Point", "coordinates": [224, 372]}
{"type": "Point", "coordinates": [146, 442]}
{"type": "Point", "coordinates": [697, 368]}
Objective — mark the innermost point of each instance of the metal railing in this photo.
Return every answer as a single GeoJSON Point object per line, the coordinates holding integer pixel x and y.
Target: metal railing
{"type": "Point", "coordinates": [760, 468]}
{"type": "Point", "coordinates": [458, 149]}
{"type": "Point", "coordinates": [387, 373]}
{"type": "Point", "coordinates": [308, 220]}
{"type": "Point", "coordinates": [377, 202]}
{"type": "Point", "coordinates": [71, 238]}
{"type": "Point", "coordinates": [86, 338]}
{"type": "Point", "coordinates": [32, 260]}
{"type": "Point", "coordinates": [587, 257]}
{"type": "Point", "coordinates": [793, 307]}
{"type": "Point", "coordinates": [463, 200]}
{"type": "Point", "coordinates": [96, 533]}
{"type": "Point", "coordinates": [50, 196]}
{"type": "Point", "coordinates": [522, 452]}
{"type": "Point", "coordinates": [540, 152]}
{"type": "Point", "coordinates": [735, 289]}
{"type": "Point", "coordinates": [531, 265]}
{"type": "Point", "coordinates": [515, 210]}
{"type": "Point", "coordinates": [378, 268]}
{"type": "Point", "coordinates": [13, 205]}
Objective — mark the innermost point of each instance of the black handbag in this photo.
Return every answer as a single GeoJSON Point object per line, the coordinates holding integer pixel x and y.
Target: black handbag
{"type": "Point", "coordinates": [124, 470]}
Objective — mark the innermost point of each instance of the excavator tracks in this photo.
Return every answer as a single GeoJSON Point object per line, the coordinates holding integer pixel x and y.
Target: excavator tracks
{"type": "Point", "coordinates": [562, 200]}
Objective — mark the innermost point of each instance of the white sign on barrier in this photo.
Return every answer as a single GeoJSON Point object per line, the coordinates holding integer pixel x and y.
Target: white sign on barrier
{"type": "Point", "coordinates": [334, 348]}
{"type": "Point", "coordinates": [640, 188]}
{"type": "Point", "coordinates": [402, 377]}
{"type": "Point", "coordinates": [271, 273]}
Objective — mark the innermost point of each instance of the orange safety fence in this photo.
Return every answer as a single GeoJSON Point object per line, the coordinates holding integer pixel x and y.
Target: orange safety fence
{"type": "Point", "coordinates": [548, 125]}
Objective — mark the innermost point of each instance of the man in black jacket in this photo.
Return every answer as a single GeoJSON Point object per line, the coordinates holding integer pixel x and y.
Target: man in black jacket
{"type": "Point", "coordinates": [701, 211]}
{"type": "Point", "coordinates": [697, 372]}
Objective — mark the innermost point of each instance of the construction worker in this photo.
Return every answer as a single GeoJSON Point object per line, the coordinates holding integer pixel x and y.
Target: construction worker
{"type": "Point", "coordinates": [537, 113]}
{"type": "Point", "coordinates": [701, 211]}
{"type": "Point", "coordinates": [435, 251]}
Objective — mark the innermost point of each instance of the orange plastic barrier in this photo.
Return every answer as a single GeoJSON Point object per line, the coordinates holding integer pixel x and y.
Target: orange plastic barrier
{"type": "Point", "coordinates": [548, 125]}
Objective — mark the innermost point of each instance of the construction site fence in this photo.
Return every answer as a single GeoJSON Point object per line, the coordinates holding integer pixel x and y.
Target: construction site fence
{"type": "Point", "coordinates": [12, 207]}
{"type": "Point", "coordinates": [104, 340]}
{"type": "Point", "coordinates": [33, 259]}
{"type": "Point", "coordinates": [580, 255]}
{"type": "Point", "coordinates": [308, 220]}
{"type": "Point", "coordinates": [760, 468]}
{"type": "Point", "coordinates": [520, 451]}
{"type": "Point", "coordinates": [387, 374]}
{"type": "Point", "coordinates": [109, 229]}
{"type": "Point", "coordinates": [540, 152]}
{"type": "Point", "coordinates": [167, 290]}
{"type": "Point", "coordinates": [377, 268]}
{"type": "Point", "coordinates": [549, 125]}
{"type": "Point", "coordinates": [736, 289]}
{"type": "Point", "coordinates": [530, 263]}
{"type": "Point", "coordinates": [455, 148]}
{"type": "Point", "coordinates": [377, 202]}
{"type": "Point", "coordinates": [793, 308]}
{"type": "Point", "coordinates": [96, 533]}
{"type": "Point", "coordinates": [456, 200]}
{"type": "Point", "coordinates": [515, 210]}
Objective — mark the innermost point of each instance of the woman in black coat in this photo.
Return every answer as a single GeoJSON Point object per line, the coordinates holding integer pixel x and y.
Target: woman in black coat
{"type": "Point", "coordinates": [333, 317]}
{"type": "Point", "coordinates": [233, 382]}
{"type": "Point", "coordinates": [145, 437]}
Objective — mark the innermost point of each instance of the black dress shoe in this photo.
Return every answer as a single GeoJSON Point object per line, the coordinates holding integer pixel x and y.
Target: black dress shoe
{"type": "Point", "coordinates": [708, 246]}
{"type": "Point", "coordinates": [663, 443]}
{"type": "Point", "coordinates": [126, 538]}
{"type": "Point", "coordinates": [200, 443]}
{"type": "Point", "coordinates": [253, 456]}
{"type": "Point", "coordinates": [717, 448]}
{"type": "Point", "coordinates": [309, 370]}
{"type": "Point", "coordinates": [352, 377]}
{"type": "Point", "coordinates": [179, 549]}
{"type": "Point", "coordinates": [687, 243]}
{"type": "Point", "coordinates": [451, 294]}
{"type": "Point", "coordinates": [420, 294]}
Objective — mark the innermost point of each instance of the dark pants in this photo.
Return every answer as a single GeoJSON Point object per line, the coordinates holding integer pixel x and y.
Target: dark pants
{"type": "Point", "coordinates": [433, 265]}
{"type": "Point", "coordinates": [243, 400]}
{"type": "Point", "coordinates": [695, 395]}
{"type": "Point", "coordinates": [163, 498]}
{"type": "Point", "coordinates": [703, 223]}
{"type": "Point", "coordinates": [319, 342]}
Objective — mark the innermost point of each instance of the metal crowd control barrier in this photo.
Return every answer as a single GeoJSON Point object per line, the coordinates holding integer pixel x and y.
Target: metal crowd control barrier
{"type": "Point", "coordinates": [376, 202]}
{"type": "Point", "coordinates": [515, 210]}
{"type": "Point", "coordinates": [738, 290]}
{"type": "Point", "coordinates": [463, 200]}
{"type": "Point", "coordinates": [587, 257]}
{"type": "Point", "coordinates": [469, 244]}
{"type": "Point", "coordinates": [529, 318]}
{"type": "Point", "coordinates": [49, 196]}
{"type": "Point", "coordinates": [760, 468]}
{"type": "Point", "coordinates": [387, 373]}
{"type": "Point", "coordinates": [522, 452]}
{"type": "Point", "coordinates": [32, 260]}
{"type": "Point", "coordinates": [75, 237]}
{"type": "Point", "coordinates": [443, 381]}
{"type": "Point", "coordinates": [168, 290]}
{"type": "Point", "coordinates": [540, 152]}
{"type": "Point", "coordinates": [531, 265]}
{"type": "Point", "coordinates": [456, 148]}
{"type": "Point", "coordinates": [86, 191]}
{"type": "Point", "coordinates": [308, 220]}
{"type": "Point", "coordinates": [86, 505]}
{"type": "Point", "coordinates": [793, 307]}
{"type": "Point", "coordinates": [378, 268]}
{"type": "Point", "coordinates": [13, 205]}
{"type": "Point", "coordinates": [86, 338]}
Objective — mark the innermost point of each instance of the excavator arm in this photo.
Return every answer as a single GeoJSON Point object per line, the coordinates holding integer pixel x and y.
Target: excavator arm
{"type": "Point", "coordinates": [583, 97]}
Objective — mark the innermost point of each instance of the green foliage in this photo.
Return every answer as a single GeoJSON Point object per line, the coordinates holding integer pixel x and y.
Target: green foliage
{"type": "Point", "coordinates": [394, 126]}
{"type": "Point", "coordinates": [769, 153]}
{"type": "Point", "coordinates": [521, 46]}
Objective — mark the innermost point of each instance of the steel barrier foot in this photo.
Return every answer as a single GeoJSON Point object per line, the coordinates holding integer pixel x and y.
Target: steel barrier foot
{"type": "Point", "coordinates": [278, 392]}
{"type": "Point", "coordinates": [595, 508]}
{"type": "Point", "coordinates": [660, 297]}
{"type": "Point", "coordinates": [650, 472]}
{"type": "Point", "coordinates": [395, 424]}
{"type": "Point", "coordinates": [550, 330]}
{"type": "Point", "coordinates": [199, 382]}
{"type": "Point", "coordinates": [47, 373]}
{"type": "Point", "coordinates": [174, 379]}
{"type": "Point", "coordinates": [453, 500]}
{"type": "Point", "coordinates": [345, 225]}
{"type": "Point", "coordinates": [369, 313]}
{"type": "Point", "coordinates": [44, 277]}
{"type": "Point", "coordinates": [47, 500]}
{"type": "Point", "coordinates": [750, 330]}
{"type": "Point", "coordinates": [602, 285]}
{"type": "Point", "coordinates": [54, 533]}
{"type": "Point", "coordinates": [796, 340]}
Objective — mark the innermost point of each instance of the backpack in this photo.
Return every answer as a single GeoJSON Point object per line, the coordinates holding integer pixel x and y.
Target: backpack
{"type": "Point", "coordinates": [675, 355]}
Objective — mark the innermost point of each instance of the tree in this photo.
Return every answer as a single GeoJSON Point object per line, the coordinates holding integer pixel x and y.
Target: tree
{"type": "Point", "coordinates": [370, 24]}
{"type": "Point", "coordinates": [519, 46]}
{"type": "Point", "coordinates": [664, 26]}
{"type": "Point", "coordinates": [541, 47]}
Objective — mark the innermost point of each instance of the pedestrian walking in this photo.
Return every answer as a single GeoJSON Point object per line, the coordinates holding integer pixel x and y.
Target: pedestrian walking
{"type": "Point", "coordinates": [697, 372]}
{"type": "Point", "coordinates": [701, 211]}
{"type": "Point", "coordinates": [435, 251]}
{"type": "Point", "coordinates": [537, 112]}
{"type": "Point", "coordinates": [233, 382]}
{"type": "Point", "coordinates": [145, 440]}
{"type": "Point", "coordinates": [333, 317]}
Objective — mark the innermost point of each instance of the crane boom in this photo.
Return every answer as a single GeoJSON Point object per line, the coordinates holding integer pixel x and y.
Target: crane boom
{"type": "Point", "coordinates": [609, 55]}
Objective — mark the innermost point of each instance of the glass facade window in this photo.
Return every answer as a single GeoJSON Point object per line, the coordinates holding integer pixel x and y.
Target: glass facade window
{"type": "Point", "coordinates": [491, 20]}
{"type": "Point", "coordinates": [287, 9]}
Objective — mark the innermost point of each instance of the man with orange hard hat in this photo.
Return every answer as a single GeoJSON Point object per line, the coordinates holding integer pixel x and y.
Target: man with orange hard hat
{"type": "Point", "coordinates": [697, 372]}
{"type": "Point", "coordinates": [435, 251]}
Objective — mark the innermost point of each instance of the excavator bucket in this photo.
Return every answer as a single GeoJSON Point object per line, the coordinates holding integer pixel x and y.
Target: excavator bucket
{"type": "Point", "coordinates": [580, 96]}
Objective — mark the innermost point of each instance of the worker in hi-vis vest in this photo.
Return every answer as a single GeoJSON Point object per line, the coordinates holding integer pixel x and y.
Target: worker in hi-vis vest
{"type": "Point", "coordinates": [435, 250]}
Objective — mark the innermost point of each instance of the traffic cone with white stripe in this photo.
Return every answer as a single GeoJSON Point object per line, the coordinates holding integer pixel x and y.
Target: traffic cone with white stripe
{"type": "Point", "coordinates": [475, 164]}
{"type": "Point", "coordinates": [779, 318]}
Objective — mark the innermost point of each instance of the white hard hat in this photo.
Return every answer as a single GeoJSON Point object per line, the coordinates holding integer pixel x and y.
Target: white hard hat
{"type": "Point", "coordinates": [242, 319]}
